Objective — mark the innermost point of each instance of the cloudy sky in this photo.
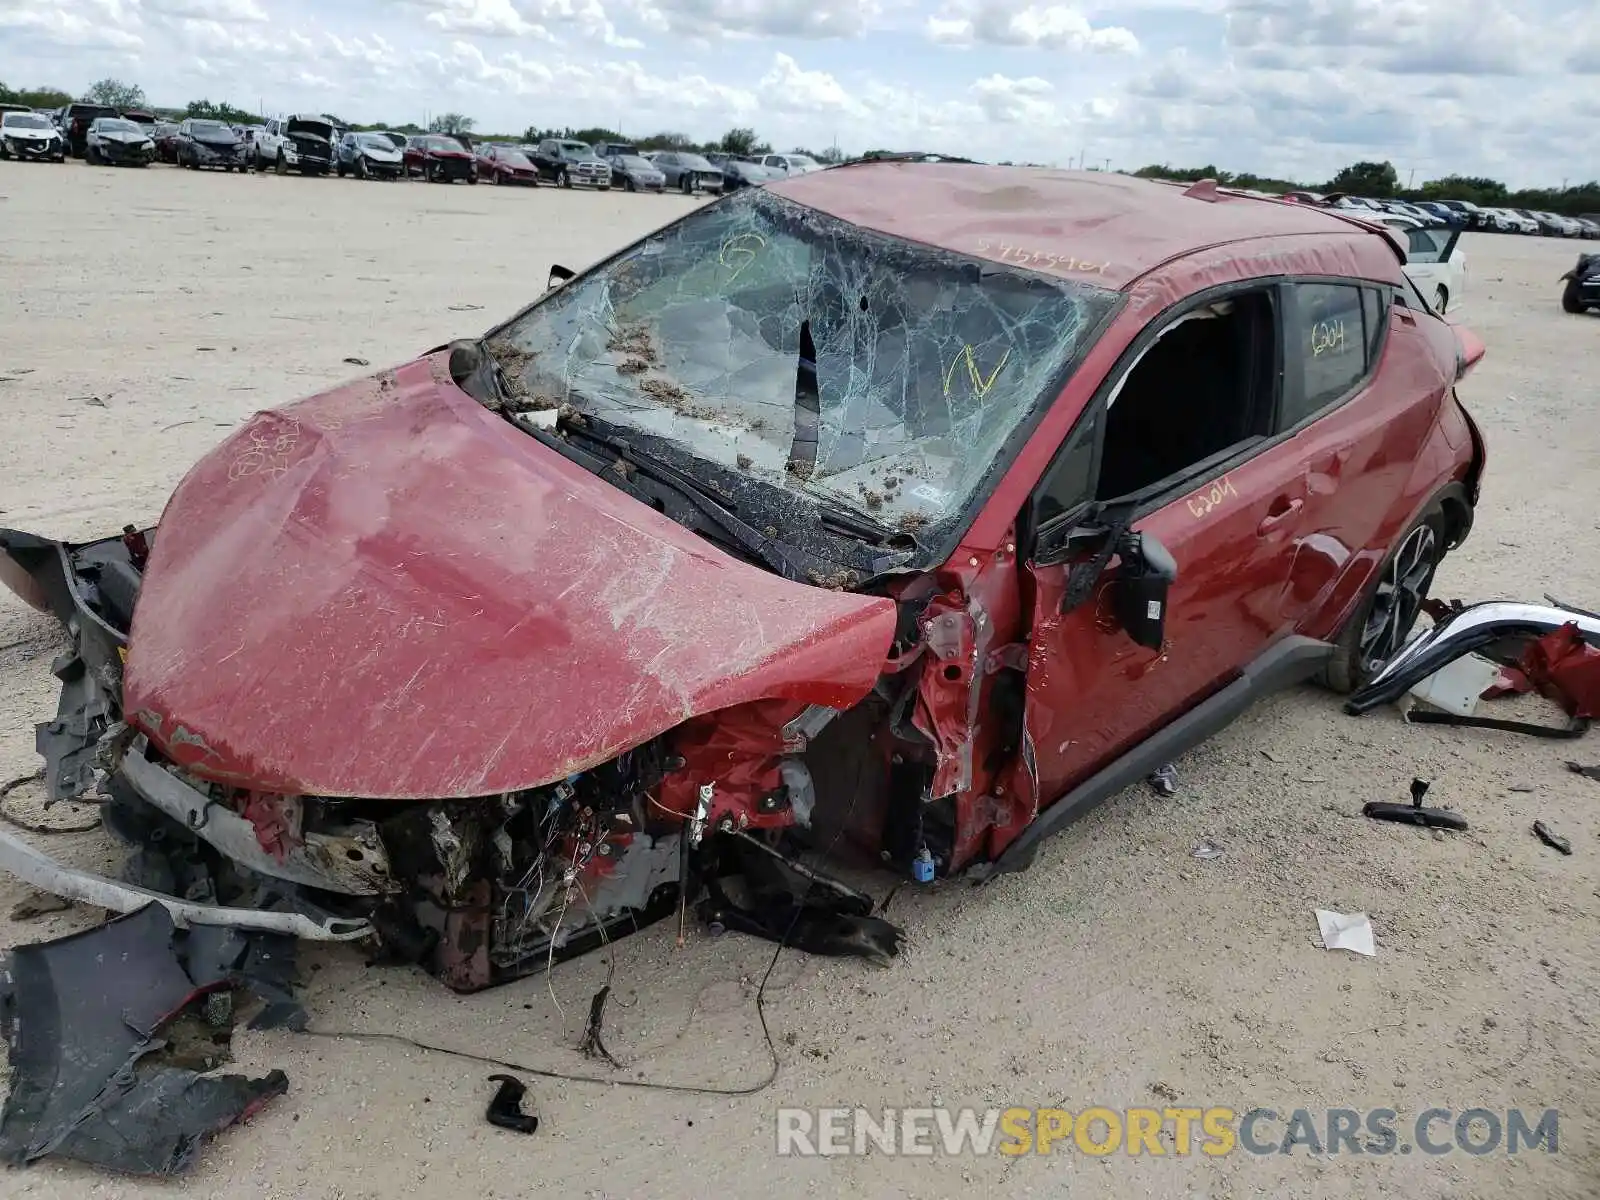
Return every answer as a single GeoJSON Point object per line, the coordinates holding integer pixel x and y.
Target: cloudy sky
{"type": "Point", "coordinates": [1506, 88]}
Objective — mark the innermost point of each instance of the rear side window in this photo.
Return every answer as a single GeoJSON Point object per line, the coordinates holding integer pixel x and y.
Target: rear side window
{"type": "Point", "coordinates": [1335, 341]}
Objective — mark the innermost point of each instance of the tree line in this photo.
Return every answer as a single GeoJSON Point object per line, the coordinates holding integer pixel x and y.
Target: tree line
{"type": "Point", "coordinates": [1381, 181]}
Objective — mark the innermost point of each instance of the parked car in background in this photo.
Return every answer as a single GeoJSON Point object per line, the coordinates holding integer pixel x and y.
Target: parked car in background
{"type": "Point", "coordinates": [1359, 204]}
{"type": "Point", "coordinates": [139, 116]}
{"type": "Point", "coordinates": [399, 140]}
{"type": "Point", "coordinates": [205, 143]}
{"type": "Point", "coordinates": [1569, 226]}
{"type": "Point", "coordinates": [439, 159]}
{"type": "Point", "coordinates": [502, 163]}
{"type": "Point", "coordinates": [610, 150]}
{"type": "Point", "coordinates": [790, 164]}
{"type": "Point", "coordinates": [165, 136]}
{"type": "Point", "coordinates": [75, 122]}
{"type": "Point", "coordinates": [1404, 208]}
{"type": "Point", "coordinates": [1582, 290]}
{"type": "Point", "coordinates": [738, 172]}
{"type": "Point", "coordinates": [1103, 512]}
{"type": "Point", "coordinates": [687, 173]}
{"type": "Point", "coordinates": [1472, 215]}
{"type": "Point", "coordinates": [367, 156]}
{"type": "Point", "coordinates": [567, 163]}
{"type": "Point", "coordinates": [302, 143]}
{"type": "Point", "coordinates": [1443, 212]}
{"type": "Point", "coordinates": [634, 173]}
{"type": "Point", "coordinates": [1547, 223]}
{"type": "Point", "coordinates": [1435, 262]}
{"type": "Point", "coordinates": [30, 136]}
{"type": "Point", "coordinates": [1507, 220]}
{"type": "Point", "coordinates": [118, 142]}
{"type": "Point", "coordinates": [1591, 229]}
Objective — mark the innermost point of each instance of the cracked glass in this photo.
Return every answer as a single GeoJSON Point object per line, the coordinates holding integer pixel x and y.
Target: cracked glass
{"type": "Point", "coordinates": [810, 354]}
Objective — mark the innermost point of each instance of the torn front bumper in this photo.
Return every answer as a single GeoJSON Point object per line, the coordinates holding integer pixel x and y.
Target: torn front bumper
{"type": "Point", "coordinates": [34, 867]}
{"type": "Point", "coordinates": [1492, 627]}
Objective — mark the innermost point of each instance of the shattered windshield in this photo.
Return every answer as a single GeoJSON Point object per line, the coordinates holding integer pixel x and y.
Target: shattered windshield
{"type": "Point", "coordinates": [809, 354]}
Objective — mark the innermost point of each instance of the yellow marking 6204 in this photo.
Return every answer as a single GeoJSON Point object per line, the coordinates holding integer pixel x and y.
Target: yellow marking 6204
{"type": "Point", "coordinates": [739, 251]}
{"type": "Point", "coordinates": [980, 385]}
{"type": "Point", "coordinates": [1206, 501]}
{"type": "Point", "coordinates": [1327, 337]}
{"type": "Point", "coordinates": [1029, 256]}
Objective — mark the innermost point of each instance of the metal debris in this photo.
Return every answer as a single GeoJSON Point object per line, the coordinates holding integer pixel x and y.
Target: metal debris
{"type": "Point", "coordinates": [1551, 838]}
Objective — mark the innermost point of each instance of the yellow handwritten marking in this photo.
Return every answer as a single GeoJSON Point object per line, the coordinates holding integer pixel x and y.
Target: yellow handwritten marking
{"type": "Point", "coordinates": [1206, 501]}
{"type": "Point", "coordinates": [1327, 337]}
{"type": "Point", "coordinates": [980, 385]}
{"type": "Point", "coordinates": [742, 247]}
{"type": "Point", "coordinates": [1027, 256]}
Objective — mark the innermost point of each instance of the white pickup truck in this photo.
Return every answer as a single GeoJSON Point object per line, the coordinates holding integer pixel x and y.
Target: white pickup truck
{"type": "Point", "coordinates": [301, 143]}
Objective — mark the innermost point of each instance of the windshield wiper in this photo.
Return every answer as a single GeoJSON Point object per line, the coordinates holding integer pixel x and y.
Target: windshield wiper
{"type": "Point", "coordinates": [786, 561]}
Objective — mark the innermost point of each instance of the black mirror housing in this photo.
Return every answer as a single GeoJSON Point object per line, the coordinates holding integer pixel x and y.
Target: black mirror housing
{"type": "Point", "coordinates": [1139, 596]}
{"type": "Point", "coordinates": [558, 276]}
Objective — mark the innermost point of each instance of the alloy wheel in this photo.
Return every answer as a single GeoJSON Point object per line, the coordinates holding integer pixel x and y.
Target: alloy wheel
{"type": "Point", "coordinates": [1402, 589]}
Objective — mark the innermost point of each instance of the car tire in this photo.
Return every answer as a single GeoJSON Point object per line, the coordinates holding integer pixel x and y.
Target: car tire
{"type": "Point", "coordinates": [361, 169]}
{"type": "Point", "coordinates": [339, 169]}
{"type": "Point", "coordinates": [628, 185]}
{"type": "Point", "coordinates": [1569, 298]}
{"type": "Point", "coordinates": [90, 156]}
{"type": "Point", "coordinates": [281, 166]}
{"type": "Point", "coordinates": [563, 179]}
{"type": "Point", "coordinates": [1441, 299]}
{"type": "Point", "coordinates": [1394, 598]}
{"type": "Point", "coordinates": [686, 186]}
{"type": "Point", "coordinates": [472, 179]}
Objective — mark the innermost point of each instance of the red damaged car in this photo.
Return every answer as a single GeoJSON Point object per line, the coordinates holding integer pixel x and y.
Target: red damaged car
{"type": "Point", "coordinates": [899, 510]}
{"type": "Point", "coordinates": [506, 164]}
{"type": "Point", "coordinates": [439, 159]}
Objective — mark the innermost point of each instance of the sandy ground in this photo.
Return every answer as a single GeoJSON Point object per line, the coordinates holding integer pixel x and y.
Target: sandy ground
{"type": "Point", "coordinates": [145, 313]}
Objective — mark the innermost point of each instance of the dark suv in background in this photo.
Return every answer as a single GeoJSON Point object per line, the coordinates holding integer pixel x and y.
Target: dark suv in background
{"type": "Point", "coordinates": [75, 122]}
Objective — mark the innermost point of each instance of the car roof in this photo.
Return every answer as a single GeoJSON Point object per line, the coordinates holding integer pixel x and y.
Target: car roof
{"type": "Point", "coordinates": [1013, 214]}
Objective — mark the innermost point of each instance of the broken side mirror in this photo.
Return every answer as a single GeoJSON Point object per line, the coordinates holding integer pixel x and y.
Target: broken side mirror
{"type": "Point", "coordinates": [558, 276]}
{"type": "Point", "coordinates": [1139, 595]}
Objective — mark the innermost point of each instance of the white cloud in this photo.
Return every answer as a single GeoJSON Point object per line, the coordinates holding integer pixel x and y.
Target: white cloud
{"type": "Point", "coordinates": [206, 10]}
{"type": "Point", "coordinates": [1294, 88]}
{"type": "Point", "coordinates": [87, 25]}
{"type": "Point", "coordinates": [1046, 27]}
{"type": "Point", "coordinates": [711, 20]}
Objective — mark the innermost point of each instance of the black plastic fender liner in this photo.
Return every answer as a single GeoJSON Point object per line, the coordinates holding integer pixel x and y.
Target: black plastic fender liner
{"type": "Point", "coordinates": [1460, 633]}
{"type": "Point", "coordinates": [1293, 660]}
{"type": "Point", "coordinates": [79, 1014]}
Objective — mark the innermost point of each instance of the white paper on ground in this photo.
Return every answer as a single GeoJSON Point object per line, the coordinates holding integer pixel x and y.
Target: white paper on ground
{"type": "Point", "coordinates": [1346, 932]}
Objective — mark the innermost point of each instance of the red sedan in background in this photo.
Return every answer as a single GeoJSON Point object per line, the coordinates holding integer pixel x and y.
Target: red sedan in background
{"type": "Point", "coordinates": [907, 509]}
{"type": "Point", "coordinates": [439, 159]}
{"type": "Point", "coordinates": [506, 164]}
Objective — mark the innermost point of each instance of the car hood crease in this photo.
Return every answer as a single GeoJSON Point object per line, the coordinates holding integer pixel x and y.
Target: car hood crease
{"type": "Point", "coordinates": [387, 591]}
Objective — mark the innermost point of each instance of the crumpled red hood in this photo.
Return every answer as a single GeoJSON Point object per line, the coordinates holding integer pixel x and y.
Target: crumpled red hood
{"type": "Point", "coordinates": [388, 591]}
